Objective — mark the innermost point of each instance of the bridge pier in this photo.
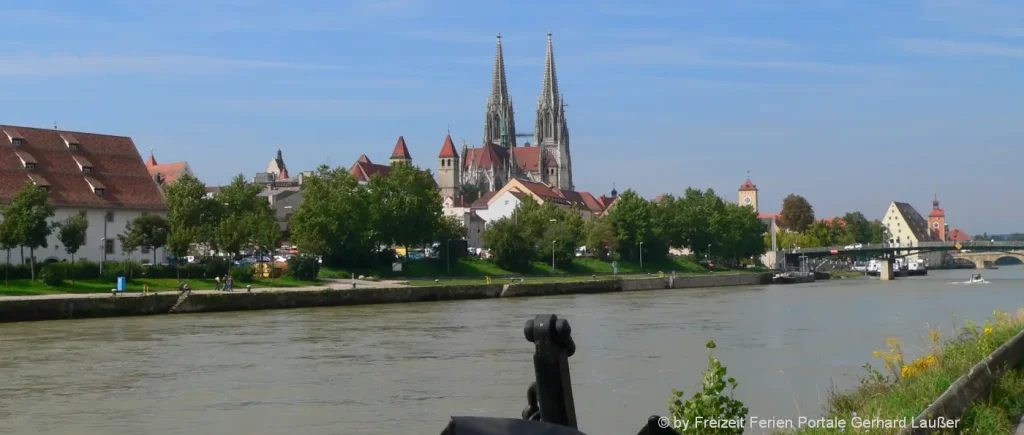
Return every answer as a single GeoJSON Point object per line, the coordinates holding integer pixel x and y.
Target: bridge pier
{"type": "Point", "coordinates": [979, 264]}
{"type": "Point", "coordinates": [885, 270]}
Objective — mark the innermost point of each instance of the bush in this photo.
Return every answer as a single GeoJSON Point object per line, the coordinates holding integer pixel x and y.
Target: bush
{"type": "Point", "coordinates": [302, 267]}
{"type": "Point", "coordinates": [711, 403]}
{"type": "Point", "coordinates": [243, 274]}
{"type": "Point", "coordinates": [52, 274]}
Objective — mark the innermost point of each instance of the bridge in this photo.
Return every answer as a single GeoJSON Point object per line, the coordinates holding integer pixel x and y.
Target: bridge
{"type": "Point", "coordinates": [978, 252]}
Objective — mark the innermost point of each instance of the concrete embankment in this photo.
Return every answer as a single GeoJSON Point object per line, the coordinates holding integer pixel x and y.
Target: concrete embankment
{"type": "Point", "coordinates": [89, 306]}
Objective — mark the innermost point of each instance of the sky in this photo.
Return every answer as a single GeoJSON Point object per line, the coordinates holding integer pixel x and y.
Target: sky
{"type": "Point", "coordinates": [851, 104]}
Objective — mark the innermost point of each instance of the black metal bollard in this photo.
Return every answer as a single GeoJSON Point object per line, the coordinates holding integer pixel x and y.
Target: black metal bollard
{"type": "Point", "coordinates": [554, 345]}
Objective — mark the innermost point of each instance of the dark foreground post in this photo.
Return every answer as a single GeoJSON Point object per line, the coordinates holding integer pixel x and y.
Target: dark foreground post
{"type": "Point", "coordinates": [550, 407]}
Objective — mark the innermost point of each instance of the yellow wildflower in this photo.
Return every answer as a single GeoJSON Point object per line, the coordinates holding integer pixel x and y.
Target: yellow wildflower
{"type": "Point", "coordinates": [988, 330]}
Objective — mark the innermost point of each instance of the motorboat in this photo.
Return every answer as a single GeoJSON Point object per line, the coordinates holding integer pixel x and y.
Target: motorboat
{"type": "Point", "coordinates": [976, 278]}
{"type": "Point", "coordinates": [873, 268]}
{"type": "Point", "coordinates": [915, 268]}
{"type": "Point", "coordinates": [792, 278]}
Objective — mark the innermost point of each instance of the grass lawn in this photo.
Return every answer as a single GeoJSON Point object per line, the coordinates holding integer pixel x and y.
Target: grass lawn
{"type": "Point", "coordinates": [477, 269]}
{"type": "Point", "coordinates": [24, 287]}
{"type": "Point", "coordinates": [908, 388]}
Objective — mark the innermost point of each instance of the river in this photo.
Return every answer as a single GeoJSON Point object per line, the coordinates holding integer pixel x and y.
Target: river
{"type": "Point", "coordinates": [391, 369]}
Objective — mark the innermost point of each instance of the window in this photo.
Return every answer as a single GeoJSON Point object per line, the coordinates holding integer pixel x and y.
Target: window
{"type": "Point", "coordinates": [86, 169]}
{"type": "Point", "coordinates": [145, 249]}
{"type": "Point", "coordinates": [99, 192]}
{"type": "Point", "coordinates": [46, 188]}
{"type": "Point", "coordinates": [30, 166]}
{"type": "Point", "coordinates": [73, 147]}
{"type": "Point", "coordinates": [108, 246]}
{"type": "Point", "coordinates": [110, 216]}
{"type": "Point", "coordinates": [15, 142]}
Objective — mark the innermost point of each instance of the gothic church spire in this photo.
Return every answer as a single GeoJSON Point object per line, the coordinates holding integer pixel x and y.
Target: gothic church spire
{"type": "Point", "coordinates": [499, 85]}
{"type": "Point", "coordinates": [549, 89]}
{"type": "Point", "coordinates": [499, 121]}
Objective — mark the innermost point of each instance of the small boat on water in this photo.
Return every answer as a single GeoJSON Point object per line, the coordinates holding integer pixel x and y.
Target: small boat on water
{"type": "Point", "coordinates": [976, 279]}
{"type": "Point", "coordinates": [915, 268]}
{"type": "Point", "coordinates": [792, 278]}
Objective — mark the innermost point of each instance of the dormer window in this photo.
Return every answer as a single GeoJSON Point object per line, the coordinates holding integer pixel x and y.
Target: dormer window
{"type": "Point", "coordinates": [27, 160]}
{"type": "Point", "coordinates": [30, 166]}
{"type": "Point", "coordinates": [13, 136]}
{"type": "Point", "coordinates": [99, 192]}
{"type": "Point", "coordinates": [83, 163]}
{"type": "Point", "coordinates": [98, 188]}
{"type": "Point", "coordinates": [70, 141]}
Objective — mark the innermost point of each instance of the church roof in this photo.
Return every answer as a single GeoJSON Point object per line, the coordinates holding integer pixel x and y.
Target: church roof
{"type": "Point", "coordinates": [486, 157]}
{"type": "Point", "coordinates": [363, 169]}
{"type": "Point", "coordinates": [937, 212]}
{"type": "Point", "coordinates": [747, 186]}
{"type": "Point", "coordinates": [448, 149]}
{"type": "Point", "coordinates": [958, 235]}
{"type": "Point", "coordinates": [401, 151]}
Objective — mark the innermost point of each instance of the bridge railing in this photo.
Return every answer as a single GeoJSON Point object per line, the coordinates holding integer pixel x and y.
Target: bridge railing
{"type": "Point", "coordinates": [973, 244]}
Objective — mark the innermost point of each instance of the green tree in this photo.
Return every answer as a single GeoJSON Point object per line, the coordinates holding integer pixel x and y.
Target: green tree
{"type": "Point", "coordinates": [600, 238]}
{"type": "Point", "coordinates": [71, 233]}
{"type": "Point", "coordinates": [152, 232]}
{"type": "Point", "coordinates": [179, 241]}
{"type": "Point", "coordinates": [405, 205]}
{"type": "Point", "coordinates": [797, 213]}
{"type": "Point", "coordinates": [241, 198]}
{"type": "Point", "coordinates": [858, 227]}
{"type": "Point", "coordinates": [877, 231]}
{"type": "Point", "coordinates": [334, 218]}
{"type": "Point", "coordinates": [450, 229]}
{"type": "Point", "coordinates": [9, 239]}
{"type": "Point", "coordinates": [30, 209]}
{"type": "Point", "coordinates": [130, 239]}
{"type": "Point", "coordinates": [741, 235]}
{"type": "Point", "coordinates": [634, 222]}
{"type": "Point", "coordinates": [188, 207]}
{"type": "Point", "coordinates": [265, 233]}
{"type": "Point", "coordinates": [509, 249]}
{"type": "Point", "coordinates": [233, 235]}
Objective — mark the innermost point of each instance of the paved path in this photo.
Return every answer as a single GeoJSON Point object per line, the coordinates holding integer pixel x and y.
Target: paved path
{"type": "Point", "coordinates": [335, 284]}
{"type": "Point", "coordinates": [1020, 427]}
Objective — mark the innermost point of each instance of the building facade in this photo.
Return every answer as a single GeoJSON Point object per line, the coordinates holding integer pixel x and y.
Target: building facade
{"type": "Point", "coordinates": [100, 176]}
{"type": "Point", "coordinates": [500, 159]}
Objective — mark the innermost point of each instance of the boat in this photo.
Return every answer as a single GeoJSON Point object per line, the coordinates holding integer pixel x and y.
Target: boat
{"type": "Point", "coordinates": [792, 278]}
{"type": "Point", "coordinates": [915, 268]}
{"type": "Point", "coordinates": [975, 279]}
{"type": "Point", "coordinates": [873, 268]}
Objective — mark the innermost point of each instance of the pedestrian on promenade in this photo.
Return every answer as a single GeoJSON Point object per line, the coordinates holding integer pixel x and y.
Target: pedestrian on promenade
{"type": "Point", "coordinates": [216, 283]}
{"type": "Point", "coordinates": [230, 283]}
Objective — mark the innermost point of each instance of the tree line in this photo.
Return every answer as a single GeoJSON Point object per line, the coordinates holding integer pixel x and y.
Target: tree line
{"type": "Point", "coordinates": [352, 224]}
{"type": "Point", "coordinates": [804, 230]}
{"type": "Point", "coordinates": [700, 220]}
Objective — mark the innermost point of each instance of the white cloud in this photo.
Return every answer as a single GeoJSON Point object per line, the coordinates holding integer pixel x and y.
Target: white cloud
{"type": "Point", "coordinates": [163, 64]}
{"type": "Point", "coordinates": [960, 48]}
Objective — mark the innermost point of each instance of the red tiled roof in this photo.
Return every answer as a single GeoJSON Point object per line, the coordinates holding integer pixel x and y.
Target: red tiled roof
{"type": "Point", "coordinates": [116, 164]}
{"type": "Point", "coordinates": [831, 220]}
{"type": "Point", "coordinates": [488, 156]}
{"type": "Point", "coordinates": [567, 197]}
{"type": "Point", "coordinates": [82, 161]}
{"type": "Point", "coordinates": [482, 202]}
{"type": "Point", "coordinates": [747, 185]}
{"type": "Point", "coordinates": [12, 134]}
{"type": "Point", "coordinates": [70, 139]}
{"type": "Point", "coordinates": [958, 235]}
{"type": "Point", "coordinates": [401, 151]}
{"type": "Point", "coordinates": [937, 212]}
{"type": "Point", "coordinates": [363, 169]}
{"type": "Point", "coordinates": [24, 156]}
{"type": "Point", "coordinates": [475, 217]}
{"type": "Point", "coordinates": [448, 149]}
{"type": "Point", "coordinates": [592, 203]}
{"type": "Point", "coordinates": [151, 161]}
{"type": "Point", "coordinates": [169, 172]}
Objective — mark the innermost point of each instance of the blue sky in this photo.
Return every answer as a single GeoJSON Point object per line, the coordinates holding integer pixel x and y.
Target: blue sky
{"type": "Point", "coordinates": [851, 104]}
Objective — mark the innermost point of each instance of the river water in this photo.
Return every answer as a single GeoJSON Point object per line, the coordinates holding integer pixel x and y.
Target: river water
{"type": "Point", "coordinates": [391, 369]}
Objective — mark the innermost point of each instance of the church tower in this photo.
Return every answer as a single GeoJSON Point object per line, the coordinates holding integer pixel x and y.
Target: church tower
{"type": "Point", "coordinates": [937, 221]}
{"type": "Point", "coordinates": [551, 133]}
{"type": "Point", "coordinates": [499, 119]}
{"type": "Point", "coordinates": [748, 194]}
{"type": "Point", "coordinates": [448, 165]}
{"type": "Point", "coordinates": [401, 153]}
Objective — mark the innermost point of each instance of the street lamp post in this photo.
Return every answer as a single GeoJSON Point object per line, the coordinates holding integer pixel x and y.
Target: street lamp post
{"type": "Point", "coordinates": [553, 255]}
{"type": "Point", "coordinates": [709, 252]}
{"type": "Point", "coordinates": [448, 256]}
{"type": "Point", "coordinates": [641, 256]}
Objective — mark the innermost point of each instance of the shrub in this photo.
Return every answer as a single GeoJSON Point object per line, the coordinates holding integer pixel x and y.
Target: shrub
{"type": "Point", "coordinates": [710, 404]}
{"type": "Point", "coordinates": [302, 267]}
{"type": "Point", "coordinates": [242, 274]}
{"type": "Point", "coordinates": [52, 274]}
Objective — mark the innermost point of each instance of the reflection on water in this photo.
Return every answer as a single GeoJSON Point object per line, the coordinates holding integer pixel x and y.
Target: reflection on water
{"type": "Point", "coordinates": [393, 368]}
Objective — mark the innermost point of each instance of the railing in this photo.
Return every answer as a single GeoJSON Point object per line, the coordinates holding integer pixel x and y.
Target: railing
{"type": "Point", "coordinates": [986, 245]}
{"type": "Point", "coordinates": [550, 408]}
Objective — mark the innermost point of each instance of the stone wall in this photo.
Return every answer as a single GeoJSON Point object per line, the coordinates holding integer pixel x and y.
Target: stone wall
{"type": "Point", "coordinates": [88, 306]}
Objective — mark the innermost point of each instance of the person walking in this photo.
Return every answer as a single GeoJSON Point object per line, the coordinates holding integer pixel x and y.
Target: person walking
{"type": "Point", "coordinates": [216, 283]}
{"type": "Point", "coordinates": [230, 283]}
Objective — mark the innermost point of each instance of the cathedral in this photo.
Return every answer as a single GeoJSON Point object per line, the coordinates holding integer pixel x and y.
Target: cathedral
{"type": "Point", "coordinates": [499, 159]}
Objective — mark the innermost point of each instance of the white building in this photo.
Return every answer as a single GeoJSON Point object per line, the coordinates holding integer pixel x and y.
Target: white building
{"type": "Point", "coordinates": [100, 176]}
